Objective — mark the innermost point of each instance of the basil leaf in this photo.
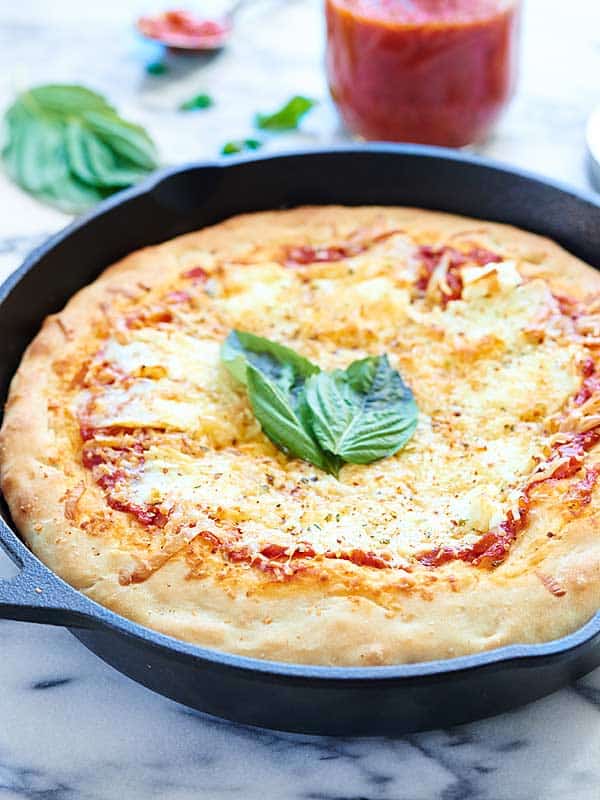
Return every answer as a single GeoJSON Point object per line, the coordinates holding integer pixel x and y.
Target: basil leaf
{"type": "Point", "coordinates": [200, 101]}
{"type": "Point", "coordinates": [37, 160]}
{"type": "Point", "coordinates": [274, 376]}
{"type": "Point", "coordinates": [69, 147]}
{"type": "Point", "coordinates": [129, 141]}
{"type": "Point", "coordinates": [93, 161]}
{"type": "Point", "coordinates": [63, 99]}
{"type": "Point", "coordinates": [280, 364]}
{"type": "Point", "coordinates": [363, 413]}
{"type": "Point", "coordinates": [239, 145]}
{"type": "Point", "coordinates": [157, 68]}
{"type": "Point", "coordinates": [282, 422]}
{"type": "Point", "coordinates": [288, 117]}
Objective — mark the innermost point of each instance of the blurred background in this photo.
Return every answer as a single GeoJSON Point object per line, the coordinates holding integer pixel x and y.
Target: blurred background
{"type": "Point", "coordinates": [276, 51]}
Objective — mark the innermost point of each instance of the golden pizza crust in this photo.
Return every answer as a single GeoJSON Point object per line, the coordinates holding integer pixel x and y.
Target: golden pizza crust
{"type": "Point", "coordinates": [333, 611]}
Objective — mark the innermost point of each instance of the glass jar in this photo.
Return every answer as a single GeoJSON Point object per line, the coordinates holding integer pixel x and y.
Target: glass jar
{"type": "Point", "coordinates": [428, 71]}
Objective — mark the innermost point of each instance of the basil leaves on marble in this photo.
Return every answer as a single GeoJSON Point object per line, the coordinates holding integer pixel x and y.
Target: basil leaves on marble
{"type": "Point", "coordinates": [357, 415]}
{"type": "Point", "coordinates": [70, 148]}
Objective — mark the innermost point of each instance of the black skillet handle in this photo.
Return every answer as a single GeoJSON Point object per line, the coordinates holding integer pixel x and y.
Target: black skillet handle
{"type": "Point", "coordinates": [36, 595]}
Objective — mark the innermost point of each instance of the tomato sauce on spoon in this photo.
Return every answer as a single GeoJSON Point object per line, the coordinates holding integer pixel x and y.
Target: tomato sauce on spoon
{"type": "Point", "coordinates": [186, 31]}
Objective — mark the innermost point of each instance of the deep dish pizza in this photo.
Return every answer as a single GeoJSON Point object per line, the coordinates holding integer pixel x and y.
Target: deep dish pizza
{"type": "Point", "coordinates": [328, 435]}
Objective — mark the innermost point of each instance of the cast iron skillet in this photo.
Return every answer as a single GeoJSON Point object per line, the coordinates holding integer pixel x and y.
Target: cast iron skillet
{"type": "Point", "coordinates": [379, 700]}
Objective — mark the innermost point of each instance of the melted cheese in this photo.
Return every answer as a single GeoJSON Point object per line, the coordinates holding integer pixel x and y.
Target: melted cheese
{"type": "Point", "coordinates": [484, 386]}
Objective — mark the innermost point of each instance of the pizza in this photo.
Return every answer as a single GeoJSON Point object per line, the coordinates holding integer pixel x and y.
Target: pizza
{"type": "Point", "coordinates": [140, 466]}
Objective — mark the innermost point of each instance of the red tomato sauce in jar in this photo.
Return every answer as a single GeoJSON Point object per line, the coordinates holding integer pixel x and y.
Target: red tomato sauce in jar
{"type": "Point", "coordinates": [427, 71]}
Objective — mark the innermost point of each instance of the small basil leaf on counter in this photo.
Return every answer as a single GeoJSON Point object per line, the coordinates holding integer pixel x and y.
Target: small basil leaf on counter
{"type": "Point", "coordinates": [282, 423]}
{"type": "Point", "coordinates": [274, 361]}
{"type": "Point", "coordinates": [156, 68]}
{"type": "Point", "coordinates": [70, 148]}
{"type": "Point", "coordinates": [239, 145]}
{"type": "Point", "coordinates": [200, 101]}
{"type": "Point", "coordinates": [286, 118]}
{"type": "Point", "coordinates": [363, 413]}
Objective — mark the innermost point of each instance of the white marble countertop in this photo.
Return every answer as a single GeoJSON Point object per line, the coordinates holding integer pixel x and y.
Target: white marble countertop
{"type": "Point", "coordinates": [71, 728]}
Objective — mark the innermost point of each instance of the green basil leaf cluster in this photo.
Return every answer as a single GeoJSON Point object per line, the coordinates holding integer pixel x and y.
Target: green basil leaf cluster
{"type": "Point", "coordinates": [357, 415]}
{"type": "Point", "coordinates": [69, 147]}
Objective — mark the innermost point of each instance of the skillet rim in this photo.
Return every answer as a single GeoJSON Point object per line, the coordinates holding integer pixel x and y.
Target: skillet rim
{"type": "Point", "coordinates": [71, 601]}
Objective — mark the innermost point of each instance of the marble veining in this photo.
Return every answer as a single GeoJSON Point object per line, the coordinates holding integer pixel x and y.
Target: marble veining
{"type": "Point", "coordinates": [71, 728]}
